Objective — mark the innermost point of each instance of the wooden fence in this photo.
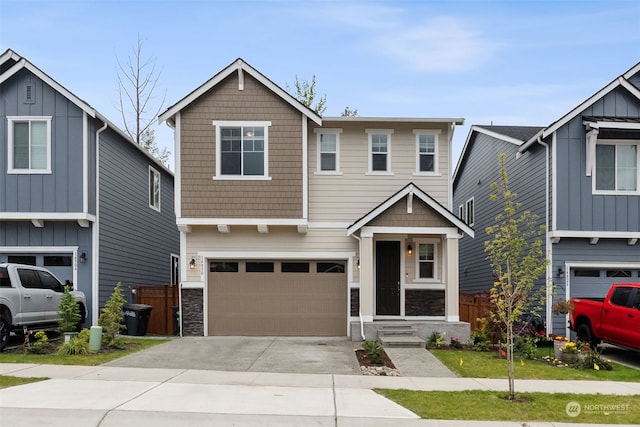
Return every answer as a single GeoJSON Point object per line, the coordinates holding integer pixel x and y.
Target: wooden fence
{"type": "Point", "coordinates": [162, 298]}
{"type": "Point", "coordinates": [473, 306]}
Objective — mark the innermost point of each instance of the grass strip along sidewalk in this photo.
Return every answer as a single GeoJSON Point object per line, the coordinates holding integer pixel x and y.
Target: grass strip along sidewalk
{"type": "Point", "coordinates": [543, 407]}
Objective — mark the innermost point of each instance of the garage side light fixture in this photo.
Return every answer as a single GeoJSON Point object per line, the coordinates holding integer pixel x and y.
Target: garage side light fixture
{"type": "Point", "coordinates": [83, 257]}
{"type": "Point", "coordinates": [192, 264]}
{"type": "Point", "coordinates": [560, 272]}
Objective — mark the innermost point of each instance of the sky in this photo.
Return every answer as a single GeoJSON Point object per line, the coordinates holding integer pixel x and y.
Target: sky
{"type": "Point", "coordinates": [519, 62]}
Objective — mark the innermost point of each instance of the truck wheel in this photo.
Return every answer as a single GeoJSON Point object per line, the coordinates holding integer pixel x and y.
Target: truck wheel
{"type": "Point", "coordinates": [584, 334]}
{"type": "Point", "coordinates": [5, 330]}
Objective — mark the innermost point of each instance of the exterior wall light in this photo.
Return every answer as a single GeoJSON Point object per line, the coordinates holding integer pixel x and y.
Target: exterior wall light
{"type": "Point", "coordinates": [410, 250]}
{"type": "Point", "coordinates": [192, 264]}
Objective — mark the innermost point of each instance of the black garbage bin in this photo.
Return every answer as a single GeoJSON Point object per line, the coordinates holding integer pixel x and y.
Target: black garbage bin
{"type": "Point", "coordinates": [136, 318]}
{"type": "Point", "coordinates": [176, 320]}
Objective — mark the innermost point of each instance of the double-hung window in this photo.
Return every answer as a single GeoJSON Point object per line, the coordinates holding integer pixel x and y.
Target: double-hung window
{"type": "Point", "coordinates": [427, 260]}
{"type": "Point", "coordinates": [29, 145]}
{"type": "Point", "coordinates": [426, 151]}
{"type": "Point", "coordinates": [616, 167]}
{"type": "Point", "coordinates": [154, 189]}
{"type": "Point", "coordinates": [328, 151]}
{"type": "Point", "coordinates": [379, 151]}
{"type": "Point", "coordinates": [470, 212]}
{"type": "Point", "coordinates": [242, 150]}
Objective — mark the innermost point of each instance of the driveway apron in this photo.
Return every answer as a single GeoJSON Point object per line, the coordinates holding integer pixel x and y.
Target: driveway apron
{"type": "Point", "coordinates": [310, 355]}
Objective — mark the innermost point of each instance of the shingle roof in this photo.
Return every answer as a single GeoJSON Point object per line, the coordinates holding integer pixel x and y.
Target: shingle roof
{"type": "Point", "coordinates": [522, 133]}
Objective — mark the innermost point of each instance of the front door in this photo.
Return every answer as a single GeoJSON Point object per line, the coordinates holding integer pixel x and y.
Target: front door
{"type": "Point", "coordinates": [388, 278]}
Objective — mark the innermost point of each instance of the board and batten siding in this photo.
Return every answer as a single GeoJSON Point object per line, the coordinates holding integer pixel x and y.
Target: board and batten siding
{"type": "Point", "coordinates": [60, 191]}
{"type": "Point", "coordinates": [205, 197]}
{"type": "Point", "coordinates": [577, 207]}
{"type": "Point", "coordinates": [526, 177]}
{"type": "Point", "coordinates": [136, 241]}
{"type": "Point", "coordinates": [353, 193]}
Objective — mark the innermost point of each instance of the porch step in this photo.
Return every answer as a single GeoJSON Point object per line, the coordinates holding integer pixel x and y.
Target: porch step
{"type": "Point", "coordinates": [399, 335]}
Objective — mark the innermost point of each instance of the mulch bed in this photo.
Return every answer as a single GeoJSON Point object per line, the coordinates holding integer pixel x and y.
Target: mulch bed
{"type": "Point", "coordinates": [364, 361]}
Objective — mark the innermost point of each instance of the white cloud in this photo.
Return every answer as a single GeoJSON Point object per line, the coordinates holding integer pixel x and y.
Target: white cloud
{"type": "Point", "coordinates": [437, 44]}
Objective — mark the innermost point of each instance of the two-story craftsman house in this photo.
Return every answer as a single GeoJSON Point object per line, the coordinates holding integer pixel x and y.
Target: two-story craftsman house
{"type": "Point", "coordinates": [580, 175]}
{"type": "Point", "coordinates": [78, 196]}
{"type": "Point", "coordinates": [295, 224]}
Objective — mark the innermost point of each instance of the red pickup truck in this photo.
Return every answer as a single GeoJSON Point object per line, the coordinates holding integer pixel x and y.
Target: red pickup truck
{"type": "Point", "coordinates": [614, 319]}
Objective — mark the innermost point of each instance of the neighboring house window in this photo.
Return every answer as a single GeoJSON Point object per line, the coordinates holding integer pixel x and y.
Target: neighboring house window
{"type": "Point", "coordinates": [379, 151]}
{"type": "Point", "coordinates": [461, 213]}
{"type": "Point", "coordinates": [426, 151]}
{"type": "Point", "coordinates": [154, 189]}
{"type": "Point", "coordinates": [616, 168]}
{"type": "Point", "coordinates": [242, 150]}
{"type": "Point", "coordinates": [328, 151]}
{"type": "Point", "coordinates": [29, 144]}
{"type": "Point", "coordinates": [470, 212]}
{"type": "Point", "coordinates": [175, 270]}
{"type": "Point", "coordinates": [427, 260]}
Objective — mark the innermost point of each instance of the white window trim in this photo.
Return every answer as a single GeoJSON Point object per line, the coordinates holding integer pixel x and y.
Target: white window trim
{"type": "Point", "coordinates": [154, 172]}
{"type": "Point", "coordinates": [232, 123]}
{"type": "Point", "coordinates": [467, 210]}
{"type": "Point", "coordinates": [435, 133]}
{"type": "Point", "coordinates": [437, 259]}
{"type": "Point", "coordinates": [320, 132]}
{"type": "Point", "coordinates": [616, 142]}
{"type": "Point", "coordinates": [10, 162]}
{"type": "Point", "coordinates": [370, 133]}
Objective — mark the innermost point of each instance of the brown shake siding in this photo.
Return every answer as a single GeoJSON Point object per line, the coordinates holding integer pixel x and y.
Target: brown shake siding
{"type": "Point", "coordinates": [204, 197]}
{"type": "Point", "coordinates": [422, 216]}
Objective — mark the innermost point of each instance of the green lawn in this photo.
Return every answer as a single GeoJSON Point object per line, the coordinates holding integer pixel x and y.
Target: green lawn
{"type": "Point", "coordinates": [7, 381]}
{"type": "Point", "coordinates": [477, 364]}
{"type": "Point", "coordinates": [492, 406]}
{"type": "Point", "coordinates": [133, 345]}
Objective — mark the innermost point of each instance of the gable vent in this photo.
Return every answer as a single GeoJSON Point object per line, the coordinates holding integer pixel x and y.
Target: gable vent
{"type": "Point", "coordinates": [29, 94]}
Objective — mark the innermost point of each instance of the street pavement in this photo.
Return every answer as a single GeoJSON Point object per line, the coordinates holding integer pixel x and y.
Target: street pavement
{"type": "Point", "coordinates": [157, 395]}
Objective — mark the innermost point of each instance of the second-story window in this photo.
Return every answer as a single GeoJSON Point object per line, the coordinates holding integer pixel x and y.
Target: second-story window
{"type": "Point", "coordinates": [426, 151]}
{"type": "Point", "coordinates": [379, 150]}
{"type": "Point", "coordinates": [470, 212]}
{"type": "Point", "coordinates": [29, 144]}
{"type": "Point", "coordinates": [616, 167]}
{"type": "Point", "coordinates": [242, 150]}
{"type": "Point", "coordinates": [154, 189]}
{"type": "Point", "coordinates": [328, 151]}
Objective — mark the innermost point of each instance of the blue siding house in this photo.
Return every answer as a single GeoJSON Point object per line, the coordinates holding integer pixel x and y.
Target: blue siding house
{"type": "Point", "coordinates": [581, 176]}
{"type": "Point", "coordinates": [77, 195]}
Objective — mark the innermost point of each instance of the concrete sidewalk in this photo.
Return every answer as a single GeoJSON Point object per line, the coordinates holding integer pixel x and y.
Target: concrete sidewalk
{"type": "Point", "coordinates": [114, 396]}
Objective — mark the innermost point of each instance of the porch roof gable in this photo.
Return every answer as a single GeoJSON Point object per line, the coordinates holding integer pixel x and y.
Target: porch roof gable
{"type": "Point", "coordinates": [413, 190]}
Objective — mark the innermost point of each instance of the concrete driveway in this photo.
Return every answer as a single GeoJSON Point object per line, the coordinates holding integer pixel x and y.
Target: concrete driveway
{"type": "Point", "coordinates": [309, 355]}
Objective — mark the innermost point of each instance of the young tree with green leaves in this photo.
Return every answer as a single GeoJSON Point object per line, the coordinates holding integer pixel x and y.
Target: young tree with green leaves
{"type": "Point", "coordinates": [305, 92]}
{"type": "Point", "coordinates": [517, 258]}
{"type": "Point", "coordinates": [68, 312]}
{"type": "Point", "coordinates": [111, 317]}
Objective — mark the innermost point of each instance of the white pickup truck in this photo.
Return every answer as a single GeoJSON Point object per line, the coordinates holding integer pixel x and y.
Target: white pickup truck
{"type": "Point", "coordinates": [29, 298]}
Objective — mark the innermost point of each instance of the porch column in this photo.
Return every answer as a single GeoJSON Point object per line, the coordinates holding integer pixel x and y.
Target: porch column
{"type": "Point", "coordinates": [451, 308]}
{"type": "Point", "coordinates": [366, 278]}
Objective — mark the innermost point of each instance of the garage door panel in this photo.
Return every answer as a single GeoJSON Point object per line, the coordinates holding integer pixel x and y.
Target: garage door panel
{"type": "Point", "coordinates": [287, 304]}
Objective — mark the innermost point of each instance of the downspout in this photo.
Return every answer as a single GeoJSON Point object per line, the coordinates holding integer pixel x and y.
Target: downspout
{"type": "Point", "coordinates": [549, 291]}
{"type": "Point", "coordinates": [360, 293]}
{"type": "Point", "coordinates": [95, 291]}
